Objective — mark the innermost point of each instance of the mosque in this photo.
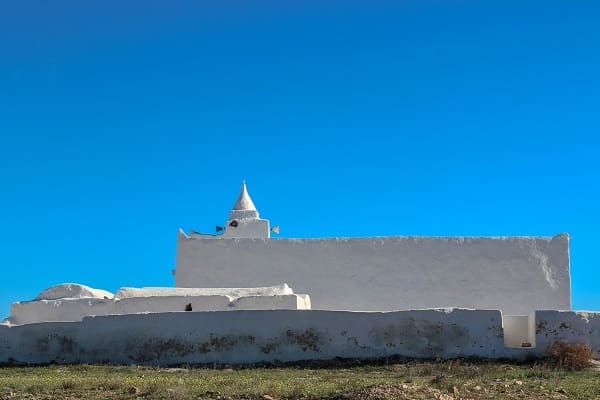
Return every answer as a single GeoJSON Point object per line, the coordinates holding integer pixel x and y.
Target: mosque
{"type": "Point", "coordinates": [514, 274]}
{"type": "Point", "coordinates": [266, 299]}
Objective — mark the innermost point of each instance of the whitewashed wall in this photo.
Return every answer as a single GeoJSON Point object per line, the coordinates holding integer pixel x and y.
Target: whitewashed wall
{"type": "Point", "coordinates": [514, 274]}
{"type": "Point", "coordinates": [76, 309]}
{"type": "Point", "coordinates": [239, 337]}
{"type": "Point", "coordinates": [254, 336]}
{"type": "Point", "coordinates": [568, 326]}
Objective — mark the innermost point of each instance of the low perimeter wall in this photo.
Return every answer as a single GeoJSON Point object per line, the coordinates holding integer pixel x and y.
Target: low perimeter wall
{"type": "Point", "coordinates": [569, 326]}
{"type": "Point", "coordinates": [238, 337]}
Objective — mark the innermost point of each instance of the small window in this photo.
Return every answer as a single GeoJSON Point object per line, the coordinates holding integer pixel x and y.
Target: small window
{"type": "Point", "coordinates": [233, 223]}
{"type": "Point", "coordinates": [188, 307]}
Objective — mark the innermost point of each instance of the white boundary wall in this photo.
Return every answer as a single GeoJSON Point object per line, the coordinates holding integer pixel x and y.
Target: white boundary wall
{"type": "Point", "coordinates": [514, 274]}
{"type": "Point", "coordinates": [239, 337]}
{"type": "Point", "coordinates": [568, 326]}
{"type": "Point", "coordinates": [254, 336]}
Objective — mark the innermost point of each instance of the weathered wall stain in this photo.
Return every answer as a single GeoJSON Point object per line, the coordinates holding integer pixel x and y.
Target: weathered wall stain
{"type": "Point", "coordinates": [269, 347]}
{"type": "Point", "coordinates": [60, 344]}
{"type": "Point", "coordinates": [541, 327]}
{"type": "Point", "coordinates": [568, 326]}
{"type": "Point", "coordinates": [426, 337]}
{"type": "Point", "coordinates": [157, 348]}
{"type": "Point", "coordinates": [308, 340]}
{"type": "Point", "coordinates": [216, 343]}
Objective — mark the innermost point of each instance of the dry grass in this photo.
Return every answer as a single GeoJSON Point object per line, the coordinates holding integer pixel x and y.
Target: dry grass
{"type": "Point", "coordinates": [570, 356]}
{"type": "Point", "coordinates": [415, 380]}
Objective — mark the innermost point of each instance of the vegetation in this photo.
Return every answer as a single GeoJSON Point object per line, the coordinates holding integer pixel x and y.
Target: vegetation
{"type": "Point", "coordinates": [570, 356]}
{"type": "Point", "coordinates": [403, 380]}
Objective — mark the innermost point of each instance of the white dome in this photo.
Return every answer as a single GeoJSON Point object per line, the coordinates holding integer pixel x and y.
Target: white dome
{"type": "Point", "coordinates": [73, 291]}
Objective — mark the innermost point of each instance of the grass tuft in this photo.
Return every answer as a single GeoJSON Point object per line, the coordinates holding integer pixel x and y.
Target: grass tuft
{"type": "Point", "coordinates": [68, 385]}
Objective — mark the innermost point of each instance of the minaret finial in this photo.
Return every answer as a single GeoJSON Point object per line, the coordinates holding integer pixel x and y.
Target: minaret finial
{"type": "Point", "coordinates": [244, 202]}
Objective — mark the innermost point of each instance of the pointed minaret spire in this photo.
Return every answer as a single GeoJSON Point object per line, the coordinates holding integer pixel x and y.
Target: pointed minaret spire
{"type": "Point", "coordinates": [244, 202]}
{"type": "Point", "coordinates": [244, 206]}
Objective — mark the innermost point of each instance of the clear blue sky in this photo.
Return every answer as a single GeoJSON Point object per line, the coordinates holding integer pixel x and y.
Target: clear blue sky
{"type": "Point", "coordinates": [123, 121]}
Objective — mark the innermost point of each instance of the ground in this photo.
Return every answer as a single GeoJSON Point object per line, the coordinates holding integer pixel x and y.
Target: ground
{"type": "Point", "coordinates": [400, 380]}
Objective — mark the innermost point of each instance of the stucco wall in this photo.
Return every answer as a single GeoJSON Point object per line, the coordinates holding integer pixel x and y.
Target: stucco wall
{"type": "Point", "coordinates": [128, 292]}
{"type": "Point", "coordinates": [514, 274]}
{"type": "Point", "coordinates": [569, 326]}
{"type": "Point", "coordinates": [254, 336]}
{"type": "Point", "coordinates": [76, 309]}
{"type": "Point", "coordinates": [239, 337]}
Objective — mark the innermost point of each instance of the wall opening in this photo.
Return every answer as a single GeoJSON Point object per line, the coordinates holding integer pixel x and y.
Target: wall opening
{"type": "Point", "coordinates": [519, 331]}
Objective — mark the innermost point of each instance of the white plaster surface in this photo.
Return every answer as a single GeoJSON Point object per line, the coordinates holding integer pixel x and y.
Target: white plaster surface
{"type": "Point", "coordinates": [29, 312]}
{"type": "Point", "coordinates": [127, 292]}
{"type": "Point", "coordinates": [286, 335]}
{"type": "Point", "coordinates": [514, 274]}
{"type": "Point", "coordinates": [247, 228]}
{"type": "Point", "coordinates": [283, 302]}
{"type": "Point", "coordinates": [254, 336]}
{"type": "Point", "coordinates": [569, 326]}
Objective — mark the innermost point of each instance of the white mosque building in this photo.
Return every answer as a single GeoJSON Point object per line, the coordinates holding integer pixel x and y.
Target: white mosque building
{"type": "Point", "coordinates": [514, 274]}
{"type": "Point", "coordinates": [417, 296]}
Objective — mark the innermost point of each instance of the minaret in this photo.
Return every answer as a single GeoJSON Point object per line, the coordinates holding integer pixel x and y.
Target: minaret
{"type": "Point", "coordinates": [244, 221]}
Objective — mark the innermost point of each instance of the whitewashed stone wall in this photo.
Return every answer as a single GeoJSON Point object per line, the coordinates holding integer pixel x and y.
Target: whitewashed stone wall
{"type": "Point", "coordinates": [254, 336]}
{"type": "Point", "coordinates": [568, 326]}
{"type": "Point", "coordinates": [276, 290]}
{"type": "Point", "coordinates": [240, 337]}
{"type": "Point", "coordinates": [514, 274]}
{"type": "Point", "coordinates": [73, 302]}
{"type": "Point", "coordinates": [76, 309]}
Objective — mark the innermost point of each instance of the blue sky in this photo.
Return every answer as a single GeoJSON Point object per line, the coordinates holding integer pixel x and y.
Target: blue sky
{"type": "Point", "coordinates": [123, 121]}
